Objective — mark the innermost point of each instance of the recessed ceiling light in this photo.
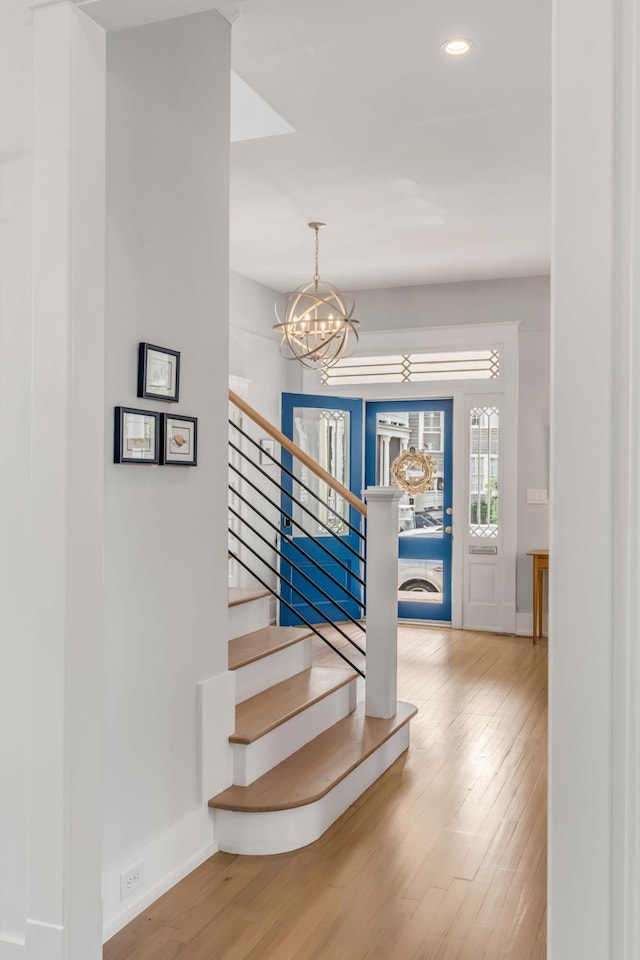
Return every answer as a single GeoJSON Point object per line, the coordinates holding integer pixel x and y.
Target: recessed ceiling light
{"type": "Point", "coordinates": [457, 47]}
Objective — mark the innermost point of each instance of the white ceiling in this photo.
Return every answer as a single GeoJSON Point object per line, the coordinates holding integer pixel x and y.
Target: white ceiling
{"type": "Point", "coordinates": [427, 168]}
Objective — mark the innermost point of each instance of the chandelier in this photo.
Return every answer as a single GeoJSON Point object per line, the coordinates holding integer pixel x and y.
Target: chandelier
{"type": "Point", "coordinates": [315, 321]}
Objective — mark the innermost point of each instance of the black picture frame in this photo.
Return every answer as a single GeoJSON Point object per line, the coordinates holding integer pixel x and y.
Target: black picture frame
{"type": "Point", "coordinates": [136, 436]}
{"type": "Point", "coordinates": [179, 446]}
{"type": "Point", "coordinates": [158, 373]}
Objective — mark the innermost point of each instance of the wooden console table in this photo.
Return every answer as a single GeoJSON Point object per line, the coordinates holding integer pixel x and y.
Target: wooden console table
{"type": "Point", "coordinates": [540, 564]}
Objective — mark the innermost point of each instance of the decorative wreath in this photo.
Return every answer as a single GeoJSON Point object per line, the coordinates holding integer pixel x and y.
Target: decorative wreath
{"type": "Point", "coordinates": [412, 460]}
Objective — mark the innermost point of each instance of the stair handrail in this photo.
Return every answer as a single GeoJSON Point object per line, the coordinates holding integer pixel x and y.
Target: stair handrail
{"type": "Point", "coordinates": [296, 451]}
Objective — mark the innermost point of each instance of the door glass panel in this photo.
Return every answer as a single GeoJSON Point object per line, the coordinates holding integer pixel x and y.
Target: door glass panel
{"type": "Point", "coordinates": [484, 426]}
{"type": "Point", "coordinates": [324, 435]}
{"type": "Point", "coordinates": [420, 581]}
{"type": "Point", "coordinates": [420, 515]}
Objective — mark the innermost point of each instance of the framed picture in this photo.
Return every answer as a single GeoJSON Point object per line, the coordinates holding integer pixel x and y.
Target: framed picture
{"type": "Point", "coordinates": [267, 452]}
{"type": "Point", "coordinates": [180, 441]}
{"type": "Point", "coordinates": [158, 372]}
{"type": "Point", "coordinates": [136, 436]}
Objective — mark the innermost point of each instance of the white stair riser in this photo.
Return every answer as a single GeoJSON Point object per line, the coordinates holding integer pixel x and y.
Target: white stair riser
{"type": "Point", "coordinates": [252, 760]}
{"type": "Point", "coordinates": [247, 617]}
{"type": "Point", "coordinates": [255, 677]}
{"type": "Point", "coordinates": [280, 831]}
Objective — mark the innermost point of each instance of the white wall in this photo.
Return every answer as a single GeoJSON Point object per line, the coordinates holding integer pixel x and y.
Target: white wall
{"type": "Point", "coordinates": [481, 301]}
{"type": "Point", "coordinates": [253, 351]}
{"type": "Point", "coordinates": [165, 547]}
{"type": "Point", "coordinates": [523, 299]}
{"type": "Point", "coordinates": [15, 409]}
{"type": "Point", "coordinates": [255, 357]}
{"type": "Point", "coordinates": [533, 463]}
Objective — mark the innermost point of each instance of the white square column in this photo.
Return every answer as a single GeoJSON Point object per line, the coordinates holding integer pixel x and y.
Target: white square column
{"type": "Point", "coordinates": [594, 610]}
{"type": "Point", "coordinates": [382, 600]}
{"type": "Point", "coordinates": [64, 912]}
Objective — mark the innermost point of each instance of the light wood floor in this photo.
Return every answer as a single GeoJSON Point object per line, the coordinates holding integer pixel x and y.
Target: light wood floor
{"type": "Point", "coordinates": [443, 858]}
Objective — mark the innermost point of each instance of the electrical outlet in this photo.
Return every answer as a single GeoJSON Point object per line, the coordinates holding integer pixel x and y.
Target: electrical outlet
{"type": "Point", "coordinates": [131, 880]}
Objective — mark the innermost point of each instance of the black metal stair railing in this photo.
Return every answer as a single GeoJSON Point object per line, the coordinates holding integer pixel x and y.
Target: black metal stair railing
{"type": "Point", "coordinates": [268, 510]}
{"type": "Point", "coordinates": [293, 477]}
{"type": "Point", "coordinates": [295, 544]}
{"type": "Point", "coordinates": [288, 516]}
{"type": "Point", "coordinates": [301, 573]}
{"type": "Point", "coordinates": [296, 500]}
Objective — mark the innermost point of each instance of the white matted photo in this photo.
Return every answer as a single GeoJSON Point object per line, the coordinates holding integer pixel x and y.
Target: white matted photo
{"type": "Point", "coordinates": [136, 436]}
{"type": "Point", "coordinates": [180, 441]}
{"type": "Point", "coordinates": [158, 372]}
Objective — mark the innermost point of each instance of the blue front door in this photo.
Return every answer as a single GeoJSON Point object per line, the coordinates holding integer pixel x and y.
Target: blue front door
{"type": "Point", "coordinates": [322, 571]}
{"type": "Point", "coordinates": [424, 538]}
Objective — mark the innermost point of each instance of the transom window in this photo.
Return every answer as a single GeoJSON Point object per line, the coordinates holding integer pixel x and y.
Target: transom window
{"type": "Point", "coordinates": [415, 367]}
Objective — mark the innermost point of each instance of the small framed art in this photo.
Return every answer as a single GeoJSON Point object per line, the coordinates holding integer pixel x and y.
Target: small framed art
{"type": "Point", "coordinates": [158, 372]}
{"type": "Point", "coordinates": [179, 441]}
{"type": "Point", "coordinates": [136, 436]}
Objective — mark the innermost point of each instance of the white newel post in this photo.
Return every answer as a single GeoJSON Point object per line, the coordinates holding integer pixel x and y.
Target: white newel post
{"type": "Point", "coordinates": [382, 600]}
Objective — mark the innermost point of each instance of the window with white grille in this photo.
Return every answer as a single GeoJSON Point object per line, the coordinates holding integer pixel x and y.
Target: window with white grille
{"type": "Point", "coordinates": [415, 367]}
{"type": "Point", "coordinates": [484, 426]}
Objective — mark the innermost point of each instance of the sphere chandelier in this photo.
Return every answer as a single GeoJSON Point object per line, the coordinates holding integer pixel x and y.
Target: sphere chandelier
{"type": "Point", "coordinates": [316, 322]}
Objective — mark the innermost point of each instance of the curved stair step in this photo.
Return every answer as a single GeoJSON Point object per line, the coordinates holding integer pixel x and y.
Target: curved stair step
{"type": "Point", "coordinates": [295, 802]}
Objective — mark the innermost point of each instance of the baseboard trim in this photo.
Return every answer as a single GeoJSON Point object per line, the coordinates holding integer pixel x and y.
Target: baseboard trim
{"type": "Point", "coordinates": [41, 941]}
{"type": "Point", "coordinates": [12, 949]}
{"type": "Point", "coordinates": [524, 625]}
{"type": "Point", "coordinates": [189, 842]}
{"type": "Point", "coordinates": [44, 941]}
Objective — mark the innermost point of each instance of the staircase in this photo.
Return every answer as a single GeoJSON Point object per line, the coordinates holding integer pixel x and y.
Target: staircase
{"type": "Point", "coordinates": [303, 749]}
{"type": "Point", "coordinates": [309, 737]}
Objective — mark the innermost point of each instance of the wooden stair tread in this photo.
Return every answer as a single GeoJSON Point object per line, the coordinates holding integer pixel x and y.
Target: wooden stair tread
{"type": "Point", "coordinates": [315, 769]}
{"type": "Point", "coordinates": [267, 710]}
{"type": "Point", "coordinates": [239, 595]}
{"type": "Point", "coordinates": [260, 643]}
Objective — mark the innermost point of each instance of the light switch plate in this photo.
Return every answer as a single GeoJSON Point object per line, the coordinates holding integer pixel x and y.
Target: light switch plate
{"type": "Point", "coordinates": [537, 496]}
